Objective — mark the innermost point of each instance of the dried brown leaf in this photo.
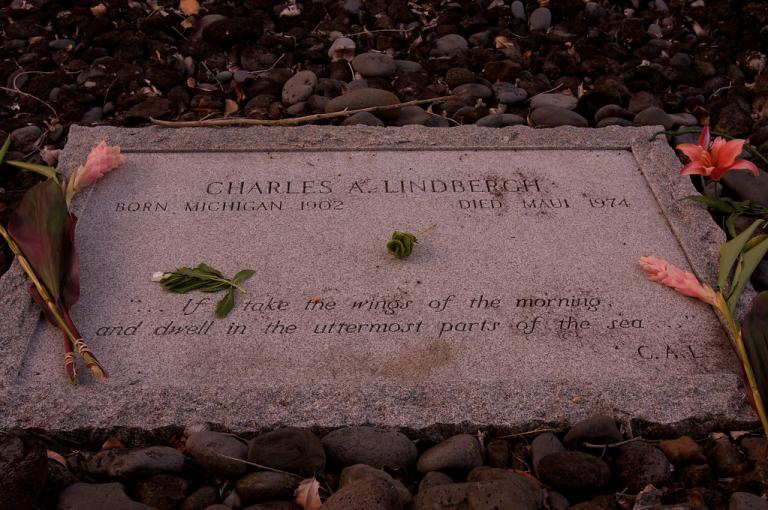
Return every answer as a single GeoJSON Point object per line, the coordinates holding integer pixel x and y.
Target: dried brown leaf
{"type": "Point", "coordinates": [188, 22]}
{"type": "Point", "coordinates": [57, 457]}
{"type": "Point", "coordinates": [99, 10]}
{"type": "Point", "coordinates": [308, 494]}
{"type": "Point", "coordinates": [189, 7]}
{"type": "Point", "coordinates": [112, 443]}
{"type": "Point", "coordinates": [230, 107]}
{"type": "Point", "coordinates": [207, 87]}
{"type": "Point", "coordinates": [503, 42]}
{"type": "Point", "coordinates": [699, 30]}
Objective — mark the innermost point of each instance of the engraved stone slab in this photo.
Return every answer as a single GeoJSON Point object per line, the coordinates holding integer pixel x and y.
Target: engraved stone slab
{"type": "Point", "coordinates": [522, 304]}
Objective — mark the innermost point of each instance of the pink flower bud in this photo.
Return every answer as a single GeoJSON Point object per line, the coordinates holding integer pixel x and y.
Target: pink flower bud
{"type": "Point", "coordinates": [661, 271]}
{"type": "Point", "coordinates": [101, 160]}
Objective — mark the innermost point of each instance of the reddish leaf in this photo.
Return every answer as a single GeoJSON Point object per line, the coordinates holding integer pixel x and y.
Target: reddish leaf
{"type": "Point", "coordinates": [39, 226]}
{"type": "Point", "coordinates": [70, 291]}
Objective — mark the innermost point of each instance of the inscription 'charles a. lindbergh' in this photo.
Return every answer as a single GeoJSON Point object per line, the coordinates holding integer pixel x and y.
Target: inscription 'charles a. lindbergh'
{"type": "Point", "coordinates": [401, 186]}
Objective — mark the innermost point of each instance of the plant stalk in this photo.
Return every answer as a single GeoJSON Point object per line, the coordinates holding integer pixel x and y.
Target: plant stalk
{"type": "Point", "coordinates": [741, 351]}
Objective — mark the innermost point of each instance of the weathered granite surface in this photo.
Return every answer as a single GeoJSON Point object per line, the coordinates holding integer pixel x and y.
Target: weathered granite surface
{"type": "Point", "coordinates": [550, 223]}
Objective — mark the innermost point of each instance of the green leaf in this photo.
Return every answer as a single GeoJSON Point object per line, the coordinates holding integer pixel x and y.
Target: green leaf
{"type": "Point", "coordinates": [730, 224]}
{"type": "Point", "coordinates": [4, 148]}
{"type": "Point", "coordinates": [730, 251]}
{"type": "Point", "coordinates": [750, 260]}
{"type": "Point", "coordinates": [755, 336]}
{"type": "Point", "coordinates": [713, 203]}
{"type": "Point", "coordinates": [243, 275]}
{"type": "Point", "coordinates": [208, 270]}
{"type": "Point", "coordinates": [40, 226]}
{"type": "Point", "coordinates": [44, 170]}
{"type": "Point", "coordinates": [226, 304]}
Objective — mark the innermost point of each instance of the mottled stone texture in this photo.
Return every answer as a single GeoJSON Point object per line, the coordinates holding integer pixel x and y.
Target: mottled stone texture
{"type": "Point", "coordinates": [522, 304]}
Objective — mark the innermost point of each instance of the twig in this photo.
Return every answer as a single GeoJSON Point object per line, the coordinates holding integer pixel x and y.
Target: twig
{"type": "Point", "coordinates": [730, 84]}
{"type": "Point", "coordinates": [546, 91]}
{"type": "Point", "coordinates": [425, 231]}
{"type": "Point", "coordinates": [612, 445]}
{"type": "Point", "coordinates": [530, 432]}
{"type": "Point", "coordinates": [106, 94]}
{"type": "Point", "coordinates": [17, 91]}
{"type": "Point", "coordinates": [266, 468]}
{"type": "Point", "coordinates": [295, 120]}
{"type": "Point", "coordinates": [261, 71]}
{"type": "Point", "coordinates": [364, 32]}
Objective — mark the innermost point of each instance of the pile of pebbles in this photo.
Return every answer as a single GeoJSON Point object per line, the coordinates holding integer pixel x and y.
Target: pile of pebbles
{"type": "Point", "coordinates": [592, 466]}
{"type": "Point", "coordinates": [674, 63]}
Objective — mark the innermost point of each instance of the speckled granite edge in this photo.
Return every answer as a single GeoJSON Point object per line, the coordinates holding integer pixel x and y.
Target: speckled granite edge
{"type": "Point", "coordinates": [691, 224]}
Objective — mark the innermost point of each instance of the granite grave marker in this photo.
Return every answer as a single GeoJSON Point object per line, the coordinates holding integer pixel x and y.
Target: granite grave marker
{"type": "Point", "coordinates": [523, 303]}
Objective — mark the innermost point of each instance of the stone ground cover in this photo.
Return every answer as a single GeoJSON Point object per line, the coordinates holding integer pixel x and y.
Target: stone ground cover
{"type": "Point", "coordinates": [600, 63]}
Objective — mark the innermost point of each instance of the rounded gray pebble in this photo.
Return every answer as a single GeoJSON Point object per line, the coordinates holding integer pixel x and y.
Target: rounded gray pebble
{"type": "Point", "coordinates": [518, 10]}
{"type": "Point", "coordinates": [614, 121]}
{"type": "Point", "coordinates": [369, 445]}
{"type": "Point", "coordinates": [61, 44]}
{"type": "Point", "coordinates": [746, 501]}
{"type": "Point", "coordinates": [299, 87]}
{"type": "Point", "coordinates": [551, 116]}
{"type": "Point", "coordinates": [508, 93]}
{"type": "Point", "coordinates": [368, 493]}
{"type": "Point", "coordinates": [540, 19]}
{"type": "Point", "coordinates": [264, 486]}
{"type": "Point", "coordinates": [131, 462]}
{"type": "Point", "coordinates": [80, 496]}
{"type": "Point", "coordinates": [556, 100]}
{"type": "Point", "coordinates": [408, 66]}
{"type": "Point", "coordinates": [92, 116]}
{"type": "Point", "coordinates": [210, 450]}
{"type": "Point", "coordinates": [449, 46]}
{"type": "Point", "coordinates": [24, 138]}
{"type": "Point", "coordinates": [496, 120]}
{"type": "Point", "coordinates": [364, 119]}
{"type": "Point", "coordinates": [374, 65]}
{"type": "Point", "coordinates": [457, 452]}
{"type": "Point", "coordinates": [597, 429]}
{"type": "Point", "coordinates": [543, 445]}
{"type": "Point", "coordinates": [654, 116]}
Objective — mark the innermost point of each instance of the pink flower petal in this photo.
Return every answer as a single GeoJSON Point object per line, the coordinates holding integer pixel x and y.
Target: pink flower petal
{"type": "Point", "coordinates": [743, 164]}
{"type": "Point", "coordinates": [694, 168]}
{"type": "Point", "coordinates": [693, 152]}
{"type": "Point", "coordinates": [704, 137]}
{"type": "Point", "coordinates": [714, 150]}
{"type": "Point", "coordinates": [728, 152]}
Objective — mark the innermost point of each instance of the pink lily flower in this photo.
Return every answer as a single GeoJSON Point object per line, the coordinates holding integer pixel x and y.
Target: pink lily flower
{"type": "Point", "coordinates": [101, 160]}
{"type": "Point", "coordinates": [715, 159]}
{"type": "Point", "coordinates": [661, 271]}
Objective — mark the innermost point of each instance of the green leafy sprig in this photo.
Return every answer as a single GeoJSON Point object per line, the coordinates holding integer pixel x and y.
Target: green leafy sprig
{"type": "Point", "coordinates": [206, 279]}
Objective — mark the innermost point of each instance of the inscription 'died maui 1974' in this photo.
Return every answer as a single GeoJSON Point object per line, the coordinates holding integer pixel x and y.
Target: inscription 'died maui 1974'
{"type": "Point", "coordinates": [537, 209]}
